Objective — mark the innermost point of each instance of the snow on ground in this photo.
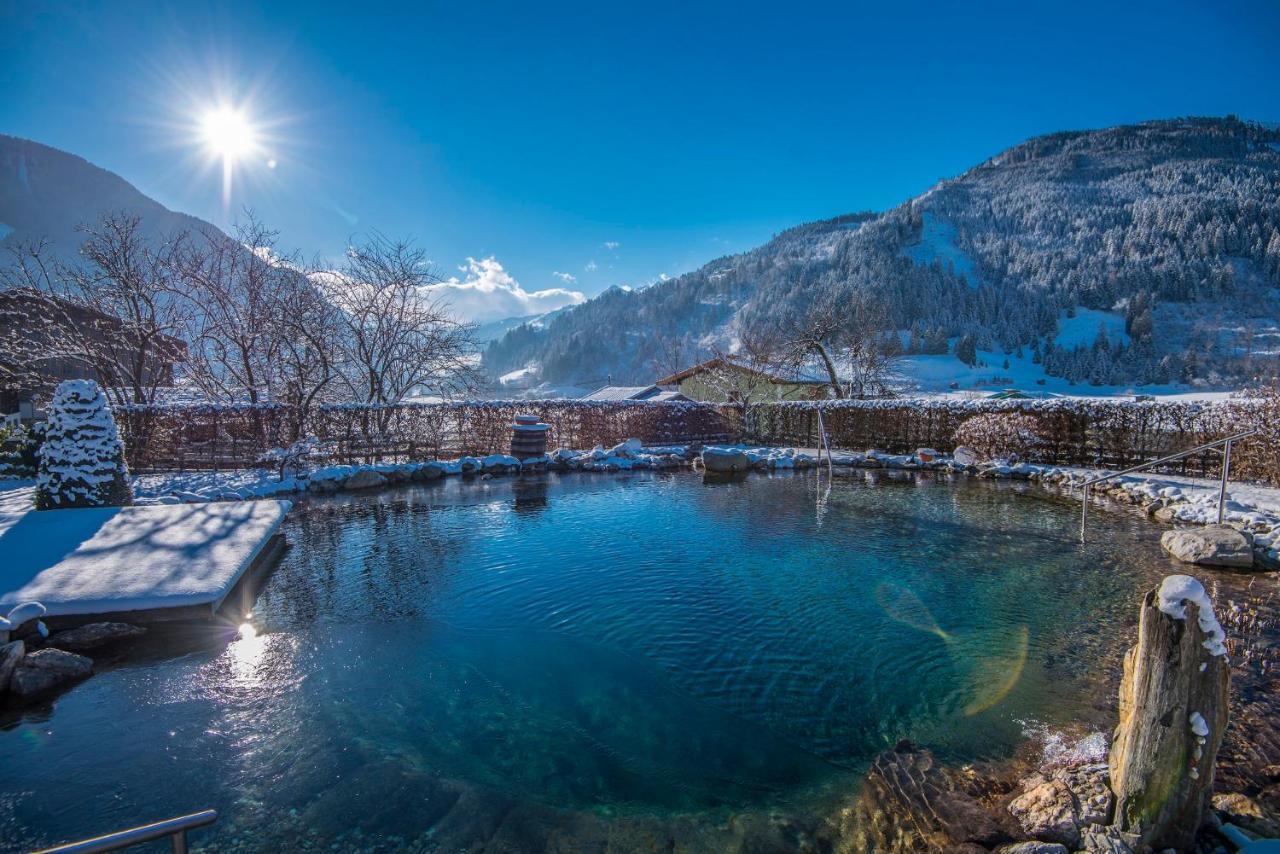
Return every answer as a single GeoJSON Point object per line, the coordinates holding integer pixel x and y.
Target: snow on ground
{"type": "Point", "coordinates": [938, 242]}
{"type": "Point", "coordinates": [936, 374]}
{"type": "Point", "coordinates": [1082, 330]}
{"type": "Point", "coordinates": [109, 559]}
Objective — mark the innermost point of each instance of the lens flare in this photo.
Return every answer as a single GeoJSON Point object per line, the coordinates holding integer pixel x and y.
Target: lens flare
{"type": "Point", "coordinates": [997, 668]}
{"type": "Point", "coordinates": [905, 607]}
{"type": "Point", "coordinates": [991, 659]}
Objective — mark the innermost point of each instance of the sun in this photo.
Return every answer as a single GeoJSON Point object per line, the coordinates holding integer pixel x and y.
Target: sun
{"type": "Point", "coordinates": [228, 133]}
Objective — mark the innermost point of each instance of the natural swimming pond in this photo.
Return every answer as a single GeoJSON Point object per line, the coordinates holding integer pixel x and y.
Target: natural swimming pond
{"type": "Point", "coordinates": [565, 658]}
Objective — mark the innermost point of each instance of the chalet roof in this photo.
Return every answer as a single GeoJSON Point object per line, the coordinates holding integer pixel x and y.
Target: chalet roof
{"type": "Point", "coordinates": [620, 392]}
{"type": "Point", "coordinates": [800, 376]}
{"type": "Point", "coordinates": [636, 392]}
{"type": "Point", "coordinates": [27, 309]}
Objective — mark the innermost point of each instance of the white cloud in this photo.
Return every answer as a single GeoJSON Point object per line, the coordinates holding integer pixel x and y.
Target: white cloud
{"type": "Point", "coordinates": [591, 267]}
{"type": "Point", "coordinates": [491, 293]}
{"type": "Point", "coordinates": [567, 278]}
{"type": "Point", "coordinates": [611, 245]}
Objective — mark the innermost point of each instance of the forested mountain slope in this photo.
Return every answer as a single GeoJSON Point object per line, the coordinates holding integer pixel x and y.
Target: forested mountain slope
{"type": "Point", "coordinates": [1166, 235]}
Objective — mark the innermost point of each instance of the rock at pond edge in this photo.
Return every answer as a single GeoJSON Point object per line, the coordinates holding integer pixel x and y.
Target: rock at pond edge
{"type": "Point", "coordinates": [47, 670]}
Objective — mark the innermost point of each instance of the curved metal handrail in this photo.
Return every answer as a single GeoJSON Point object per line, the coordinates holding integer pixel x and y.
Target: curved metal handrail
{"type": "Point", "coordinates": [174, 828]}
{"type": "Point", "coordinates": [1222, 489]}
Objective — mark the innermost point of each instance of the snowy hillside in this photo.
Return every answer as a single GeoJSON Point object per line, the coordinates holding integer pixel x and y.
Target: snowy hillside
{"type": "Point", "coordinates": [1165, 235]}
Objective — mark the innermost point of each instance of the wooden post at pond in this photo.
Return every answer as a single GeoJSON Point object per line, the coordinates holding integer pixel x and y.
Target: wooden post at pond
{"type": "Point", "coordinates": [1173, 712]}
{"type": "Point", "coordinates": [528, 437]}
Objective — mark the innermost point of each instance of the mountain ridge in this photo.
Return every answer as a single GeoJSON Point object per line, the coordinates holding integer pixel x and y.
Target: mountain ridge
{"type": "Point", "coordinates": [49, 194]}
{"type": "Point", "coordinates": [1141, 222]}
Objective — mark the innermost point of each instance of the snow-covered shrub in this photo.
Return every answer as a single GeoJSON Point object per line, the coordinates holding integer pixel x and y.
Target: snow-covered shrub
{"type": "Point", "coordinates": [19, 446]}
{"type": "Point", "coordinates": [82, 458]}
{"type": "Point", "coordinates": [290, 461]}
{"type": "Point", "coordinates": [1000, 435]}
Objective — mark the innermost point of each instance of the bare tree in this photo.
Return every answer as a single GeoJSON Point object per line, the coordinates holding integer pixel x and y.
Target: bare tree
{"type": "Point", "coordinates": [235, 286]}
{"type": "Point", "coordinates": [395, 335]}
{"type": "Point", "coordinates": [310, 350]}
{"type": "Point", "coordinates": [846, 340]}
{"type": "Point", "coordinates": [119, 315]}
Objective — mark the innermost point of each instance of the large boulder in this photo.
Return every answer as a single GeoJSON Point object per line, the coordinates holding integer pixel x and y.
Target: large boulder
{"type": "Point", "coordinates": [94, 635]}
{"type": "Point", "coordinates": [365, 479]}
{"type": "Point", "coordinates": [725, 460]}
{"type": "Point", "coordinates": [1046, 811]}
{"type": "Point", "coordinates": [10, 656]}
{"type": "Point", "coordinates": [1035, 848]}
{"type": "Point", "coordinates": [1211, 545]}
{"type": "Point", "coordinates": [47, 670]}
{"type": "Point", "coordinates": [1058, 807]}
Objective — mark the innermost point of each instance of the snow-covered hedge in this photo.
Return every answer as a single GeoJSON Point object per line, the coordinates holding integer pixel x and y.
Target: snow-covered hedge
{"type": "Point", "coordinates": [1000, 435]}
{"type": "Point", "coordinates": [236, 436]}
{"type": "Point", "coordinates": [1101, 432]}
{"type": "Point", "coordinates": [82, 458]}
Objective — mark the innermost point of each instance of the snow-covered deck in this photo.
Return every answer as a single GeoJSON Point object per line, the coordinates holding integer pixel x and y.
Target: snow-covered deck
{"type": "Point", "coordinates": [149, 562]}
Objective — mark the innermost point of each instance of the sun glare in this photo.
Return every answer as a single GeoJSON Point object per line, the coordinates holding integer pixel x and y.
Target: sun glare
{"type": "Point", "coordinates": [228, 133]}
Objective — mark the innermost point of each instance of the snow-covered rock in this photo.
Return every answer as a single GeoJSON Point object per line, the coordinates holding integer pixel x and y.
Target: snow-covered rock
{"type": "Point", "coordinates": [1212, 545]}
{"type": "Point", "coordinates": [365, 479]}
{"type": "Point", "coordinates": [725, 460]}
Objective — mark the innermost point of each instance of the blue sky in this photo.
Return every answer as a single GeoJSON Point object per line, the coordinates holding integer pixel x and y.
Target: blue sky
{"type": "Point", "coordinates": [614, 143]}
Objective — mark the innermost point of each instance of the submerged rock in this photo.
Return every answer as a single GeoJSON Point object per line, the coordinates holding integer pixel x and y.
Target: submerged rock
{"type": "Point", "coordinates": [47, 670]}
{"type": "Point", "coordinates": [1212, 545]}
{"type": "Point", "coordinates": [94, 635]}
{"type": "Point", "coordinates": [911, 803]}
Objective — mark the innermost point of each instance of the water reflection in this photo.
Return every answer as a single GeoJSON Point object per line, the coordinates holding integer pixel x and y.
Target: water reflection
{"type": "Point", "coordinates": [530, 492]}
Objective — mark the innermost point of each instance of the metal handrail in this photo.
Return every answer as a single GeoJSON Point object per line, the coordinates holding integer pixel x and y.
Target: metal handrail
{"type": "Point", "coordinates": [822, 430]}
{"type": "Point", "coordinates": [1222, 488]}
{"type": "Point", "coordinates": [174, 828]}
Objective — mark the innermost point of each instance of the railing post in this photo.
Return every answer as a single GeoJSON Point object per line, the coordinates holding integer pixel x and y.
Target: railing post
{"type": "Point", "coordinates": [178, 842]}
{"type": "Point", "coordinates": [1084, 511]}
{"type": "Point", "coordinates": [1226, 469]}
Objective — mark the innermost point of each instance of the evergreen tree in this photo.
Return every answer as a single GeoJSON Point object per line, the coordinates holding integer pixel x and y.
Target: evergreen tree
{"type": "Point", "coordinates": [967, 350]}
{"type": "Point", "coordinates": [82, 458]}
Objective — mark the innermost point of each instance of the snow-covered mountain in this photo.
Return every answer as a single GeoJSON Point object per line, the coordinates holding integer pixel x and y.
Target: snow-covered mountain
{"type": "Point", "coordinates": [1143, 254]}
{"type": "Point", "coordinates": [46, 193]}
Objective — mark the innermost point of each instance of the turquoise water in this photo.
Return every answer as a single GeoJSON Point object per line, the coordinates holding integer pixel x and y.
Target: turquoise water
{"type": "Point", "coordinates": [570, 655]}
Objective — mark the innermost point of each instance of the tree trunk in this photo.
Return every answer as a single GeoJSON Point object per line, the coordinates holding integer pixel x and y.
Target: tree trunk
{"type": "Point", "coordinates": [1161, 769]}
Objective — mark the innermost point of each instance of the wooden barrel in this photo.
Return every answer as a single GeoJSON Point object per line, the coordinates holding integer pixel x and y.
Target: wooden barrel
{"type": "Point", "coordinates": [528, 439]}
